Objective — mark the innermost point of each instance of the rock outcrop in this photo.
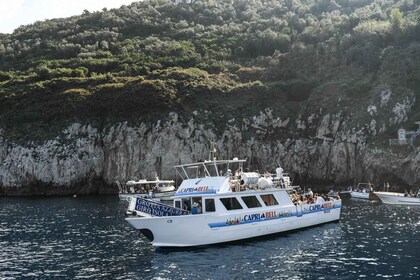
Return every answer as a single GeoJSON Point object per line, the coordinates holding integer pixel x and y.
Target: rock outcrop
{"type": "Point", "coordinates": [86, 160]}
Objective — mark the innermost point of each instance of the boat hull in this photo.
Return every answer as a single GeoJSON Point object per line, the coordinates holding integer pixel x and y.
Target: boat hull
{"type": "Point", "coordinates": [206, 229]}
{"type": "Point", "coordinates": [397, 198]}
{"type": "Point", "coordinates": [360, 195]}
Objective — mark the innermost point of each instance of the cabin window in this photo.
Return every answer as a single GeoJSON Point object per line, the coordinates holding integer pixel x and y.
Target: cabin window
{"type": "Point", "coordinates": [231, 203]}
{"type": "Point", "coordinates": [186, 204]}
{"type": "Point", "coordinates": [177, 203]}
{"type": "Point", "coordinates": [251, 201]}
{"type": "Point", "coordinates": [210, 206]}
{"type": "Point", "coordinates": [269, 199]}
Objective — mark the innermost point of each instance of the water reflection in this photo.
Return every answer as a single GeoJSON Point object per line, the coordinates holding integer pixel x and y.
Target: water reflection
{"type": "Point", "coordinates": [280, 256]}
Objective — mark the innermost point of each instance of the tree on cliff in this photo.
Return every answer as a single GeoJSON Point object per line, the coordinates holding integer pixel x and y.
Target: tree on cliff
{"type": "Point", "coordinates": [55, 72]}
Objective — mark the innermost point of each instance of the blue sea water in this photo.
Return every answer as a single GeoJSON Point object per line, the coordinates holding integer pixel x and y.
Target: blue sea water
{"type": "Point", "coordinates": [88, 238]}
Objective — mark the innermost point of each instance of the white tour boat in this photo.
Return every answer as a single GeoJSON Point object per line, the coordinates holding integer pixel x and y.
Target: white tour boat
{"type": "Point", "coordinates": [157, 189]}
{"type": "Point", "coordinates": [362, 191]}
{"type": "Point", "coordinates": [398, 198]}
{"type": "Point", "coordinates": [214, 205]}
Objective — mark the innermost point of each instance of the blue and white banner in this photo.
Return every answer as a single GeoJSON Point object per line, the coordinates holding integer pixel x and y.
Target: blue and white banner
{"type": "Point", "coordinates": [157, 209]}
{"type": "Point", "coordinates": [196, 190]}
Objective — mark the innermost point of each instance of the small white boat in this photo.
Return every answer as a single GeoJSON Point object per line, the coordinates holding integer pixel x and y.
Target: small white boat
{"type": "Point", "coordinates": [156, 190]}
{"type": "Point", "coordinates": [398, 198]}
{"type": "Point", "coordinates": [214, 205]}
{"type": "Point", "coordinates": [362, 191]}
{"type": "Point", "coordinates": [361, 195]}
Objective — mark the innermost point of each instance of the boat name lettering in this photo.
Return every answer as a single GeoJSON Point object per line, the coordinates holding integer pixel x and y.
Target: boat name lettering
{"type": "Point", "coordinates": [157, 209]}
{"type": "Point", "coordinates": [271, 214]}
{"type": "Point", "coordinates": [315, 207]}
{"type": "Point", "coordinates": [195, 189]}
{"type": "Point", "coordinates": [259, 217]}
{"type": "Point", "coordinates": [327, 205]}
{"type": "Point", "coordinates": [252, 217]}
{"type": "Point", "coordinates": [319, 207]}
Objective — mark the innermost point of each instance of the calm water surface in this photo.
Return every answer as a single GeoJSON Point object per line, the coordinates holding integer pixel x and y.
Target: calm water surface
{"type": "Point", "coordinates": [87, 237]}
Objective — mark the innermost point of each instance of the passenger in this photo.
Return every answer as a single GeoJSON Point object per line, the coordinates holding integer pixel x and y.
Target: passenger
{"type": "Point", "coordinates": [370, 187]}
{"type": "Point", "coordinates": [228, 173]}
{"type": "Point", "coordinates": [310, 192]}
{"type": "Point", "coordinates": [186, 206]}
{"type": "Point", "coordinates": [319, 199]}
{"type": "Point", "coordinates": [196, 209]}
{"type": "Point", "coordinates": [295, 197]}
{"type": "Point", "coordinates": [279, 175]}
{"type": "Point", "coordinates": [310, 199]}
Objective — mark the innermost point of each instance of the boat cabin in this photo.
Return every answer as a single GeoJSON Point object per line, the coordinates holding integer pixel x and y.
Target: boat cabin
{"type": "Point", "coordinates": [199, 204]}
{"type": "Point", "coordinates": [223, 185]}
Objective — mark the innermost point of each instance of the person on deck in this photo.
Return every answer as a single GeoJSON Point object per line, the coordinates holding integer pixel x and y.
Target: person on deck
{"type": "Point", "coordinates": [279, 172]}
{"type": "Point", "coordinates": [310, 192]}
{"type": "Point", "coordinates": [319, 199]}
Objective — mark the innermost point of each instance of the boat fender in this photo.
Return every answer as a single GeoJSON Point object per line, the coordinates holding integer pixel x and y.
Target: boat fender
{"type": "Point", "coordinates": [134, 213]}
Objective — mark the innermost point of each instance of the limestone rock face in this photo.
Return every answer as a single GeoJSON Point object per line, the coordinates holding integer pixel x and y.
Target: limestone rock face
{"type": "Point", "coordinates": [86, 160]}
{"type": "Point", "coordinates": [64, 161]}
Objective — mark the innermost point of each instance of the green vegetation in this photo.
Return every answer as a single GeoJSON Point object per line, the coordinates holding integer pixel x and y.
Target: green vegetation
{"type": "Point", "coordinates": [229, 57]}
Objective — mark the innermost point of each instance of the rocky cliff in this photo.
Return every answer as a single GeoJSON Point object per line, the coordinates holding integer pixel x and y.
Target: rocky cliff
{"type": "Point", "coordinates": [327, 149]}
